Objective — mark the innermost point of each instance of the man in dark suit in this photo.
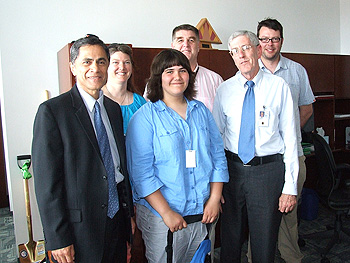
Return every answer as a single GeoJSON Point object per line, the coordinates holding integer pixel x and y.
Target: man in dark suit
{"type": "Point", "coordinates": [82, 220]}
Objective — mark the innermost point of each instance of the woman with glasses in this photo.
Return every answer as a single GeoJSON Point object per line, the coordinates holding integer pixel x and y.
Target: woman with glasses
{"type": "Point", "coordinates": [176, 161]}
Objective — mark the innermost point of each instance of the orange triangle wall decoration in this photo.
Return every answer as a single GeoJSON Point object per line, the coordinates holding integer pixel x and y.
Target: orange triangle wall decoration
{"type": "Point", "coordinates": [207, 35]}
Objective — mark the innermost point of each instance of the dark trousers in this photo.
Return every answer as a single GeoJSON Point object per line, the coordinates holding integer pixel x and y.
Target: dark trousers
{"type": "Point", "coordinates": [115, 239]}
{"type": "Point", "coordinates": [251, 199]}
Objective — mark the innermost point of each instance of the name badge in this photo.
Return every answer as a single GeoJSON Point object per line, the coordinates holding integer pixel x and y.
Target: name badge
{"type": "Point", "coordinates": [190, 158]}
{"type": "Point", "coordinates": [263, 120]}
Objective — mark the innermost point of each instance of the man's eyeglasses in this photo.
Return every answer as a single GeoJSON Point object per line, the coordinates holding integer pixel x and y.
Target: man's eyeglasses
{"type": "Point", "coordinates": [235, 51]}
{"type": "Point", "coordinates": [267, 40]}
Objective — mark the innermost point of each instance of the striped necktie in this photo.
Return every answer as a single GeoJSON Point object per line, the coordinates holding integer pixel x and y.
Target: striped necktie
{"type": "Point", "coordinates": [105, 149]}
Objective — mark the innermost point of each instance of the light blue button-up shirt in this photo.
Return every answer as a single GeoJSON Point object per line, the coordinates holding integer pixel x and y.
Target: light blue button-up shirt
{"type": "Point", "coordinates": [156, 144]}
{"type": "Point", "coordinates": [276, 134]}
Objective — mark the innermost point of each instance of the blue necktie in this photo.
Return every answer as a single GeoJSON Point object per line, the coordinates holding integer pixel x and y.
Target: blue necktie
{"type": "Point", "coordinates": [246, 143]}
{"type": "Point", "coordinates": [105, 149]}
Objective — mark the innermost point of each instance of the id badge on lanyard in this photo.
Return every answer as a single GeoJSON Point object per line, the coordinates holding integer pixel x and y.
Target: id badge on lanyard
{"type": "Point", "coordinates": [264, 116]}
{"type": "Point", "coordinates": [190, 158]}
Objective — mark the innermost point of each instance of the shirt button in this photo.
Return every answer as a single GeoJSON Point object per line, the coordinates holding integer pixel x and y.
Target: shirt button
{"type": "Point", "coordinates": [118, 168]}
{"type": "Point", "coordinates": [192, 187]}
{"type": "Point", "coordinates": [191, 172]}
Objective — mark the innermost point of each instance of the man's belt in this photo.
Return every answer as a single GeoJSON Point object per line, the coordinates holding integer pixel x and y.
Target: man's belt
{"type": "Point", "coordinates": [256, 160]}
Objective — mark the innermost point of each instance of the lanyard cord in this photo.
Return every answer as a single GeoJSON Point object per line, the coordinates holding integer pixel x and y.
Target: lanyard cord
{"type": "Point", "coordinates": [195, 73]}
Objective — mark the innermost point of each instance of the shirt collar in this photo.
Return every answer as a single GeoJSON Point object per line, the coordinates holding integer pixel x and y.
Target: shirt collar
{"type": "Point", "coordinates": [89, 100]}
{"type": "Point", "coordinates": [161, 106]}
{"type": "Point", "coordinates": [196, 68]}
{"type": "Point", "coordinates": [242, 80]}
{"type": "Point", "coordinates": [282, 64]}
{"type": "Point", "coordinates": [191, 104]}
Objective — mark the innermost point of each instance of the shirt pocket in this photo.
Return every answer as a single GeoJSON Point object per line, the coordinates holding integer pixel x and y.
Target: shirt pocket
{"type": "Point", "coordinates": [168, 146]}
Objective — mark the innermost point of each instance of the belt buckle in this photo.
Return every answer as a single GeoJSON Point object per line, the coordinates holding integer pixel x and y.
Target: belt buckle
{"type": "Point", "coordinates": [247, 165]}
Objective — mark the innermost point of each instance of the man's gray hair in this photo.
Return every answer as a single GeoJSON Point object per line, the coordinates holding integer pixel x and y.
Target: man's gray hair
{"type": "Point", "coordinates": [252, 37]}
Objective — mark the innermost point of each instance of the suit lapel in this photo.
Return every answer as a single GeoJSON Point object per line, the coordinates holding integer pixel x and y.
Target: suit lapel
{"type": "Point", "coordinates": [83, 117]}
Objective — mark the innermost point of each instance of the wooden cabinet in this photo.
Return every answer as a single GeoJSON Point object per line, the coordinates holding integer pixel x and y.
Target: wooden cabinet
{"type": "Point", "coordinates": [330, 81]}
{"type": "Point", "coordinates": [217, 60]}
{"type": "Point", "coordinates": [320, 69]}
{"type": "Point", "coordinates": [342, 95]}
{"type": "Point", "coordinates": [66, 79]}
{"type": "Point", "coordinates": [324, 115]}
{"type": "Point", "coordinates": [329, 78]}
{"type": "Point", "coordinates": [342, 77]}
{"type": "Point", "coordinates": [342, 108]}
{"type": "Point", "coordinates": [340, 124]}
{"type": "Point", "coordinates": [143, 58]}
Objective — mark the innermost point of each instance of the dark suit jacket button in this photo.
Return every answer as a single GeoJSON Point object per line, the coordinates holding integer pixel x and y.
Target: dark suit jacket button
{"type": "Point", "coordinates": [104, 177]}
{"type": "Point", "coordinates": [104, 206]}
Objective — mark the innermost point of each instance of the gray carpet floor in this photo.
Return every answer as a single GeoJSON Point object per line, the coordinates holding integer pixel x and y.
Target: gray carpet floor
{"type": "Point", "coordinates": [7, 237]}
{"type": "Point", "coordinates": [339, 254]}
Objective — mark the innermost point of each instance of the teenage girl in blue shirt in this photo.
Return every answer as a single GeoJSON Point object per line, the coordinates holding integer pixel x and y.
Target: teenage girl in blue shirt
{"type": "Point", "coordinates": [176, 161]}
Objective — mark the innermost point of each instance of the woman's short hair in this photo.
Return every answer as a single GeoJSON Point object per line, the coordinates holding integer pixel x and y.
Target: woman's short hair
{"type": "Point", "coordinates": [126, 49]}
{"type": "Point", "coordinates": [163, 60]}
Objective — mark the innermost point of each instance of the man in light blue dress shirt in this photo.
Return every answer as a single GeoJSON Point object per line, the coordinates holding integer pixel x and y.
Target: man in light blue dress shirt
{"type": "Point", "coordinates": [261, 189]}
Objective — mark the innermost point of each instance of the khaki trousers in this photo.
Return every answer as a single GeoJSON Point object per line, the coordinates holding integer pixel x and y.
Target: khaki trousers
{"type": "Point", "coordinates": [288, 232]}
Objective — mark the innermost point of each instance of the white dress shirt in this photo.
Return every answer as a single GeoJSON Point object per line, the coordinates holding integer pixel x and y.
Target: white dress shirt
{"type": "Point", "coordinates": [273, 134]}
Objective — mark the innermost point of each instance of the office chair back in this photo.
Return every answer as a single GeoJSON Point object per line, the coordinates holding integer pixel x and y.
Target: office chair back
{"type": "Point", "coordinates": [326, 167]}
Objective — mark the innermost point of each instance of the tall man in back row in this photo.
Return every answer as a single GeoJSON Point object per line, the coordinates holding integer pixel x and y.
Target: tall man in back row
{"type": "Point", "coordinates": [254, 113]}
{"type": "Point", "coordinates": [185, 38]}
{"type": "Point", "coordinates": [270, 34]}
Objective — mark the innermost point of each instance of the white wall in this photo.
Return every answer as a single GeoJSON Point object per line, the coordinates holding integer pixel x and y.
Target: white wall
{"type": "Point", "coordinates": [32, 32]}
{"type": "Point", "coordinates": [345, 27]}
